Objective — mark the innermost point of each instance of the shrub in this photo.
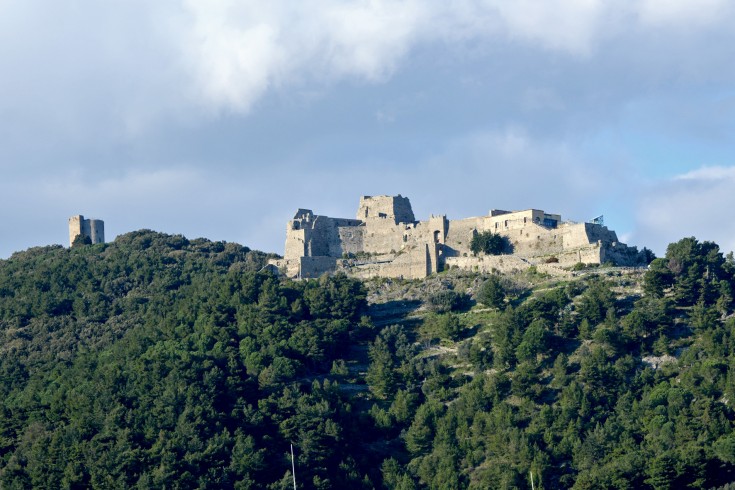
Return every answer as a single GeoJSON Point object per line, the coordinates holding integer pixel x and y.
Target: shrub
{"type": "Point", "coordinates": [448, 300]}
{"type": "Point", "coordinates": [492, 293]}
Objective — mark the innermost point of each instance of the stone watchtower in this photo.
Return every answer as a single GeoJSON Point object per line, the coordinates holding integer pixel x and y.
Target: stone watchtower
{"type": "Point", "coordinates": [393, 209]}
{"type": "Point", "coordinates": [92, 228]}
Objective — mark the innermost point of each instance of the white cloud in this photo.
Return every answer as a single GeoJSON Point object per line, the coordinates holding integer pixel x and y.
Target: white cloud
{"type": "Point", "coordinates": [225, 55]}
{"type": "Point", "coordinates": [682, 13]}
{"type": "Point", "coordinates": [707, 175]}
{"type": "Point", "coordinates": [236, 51]}
{"type": "Point", "coordinates": [570, 26]}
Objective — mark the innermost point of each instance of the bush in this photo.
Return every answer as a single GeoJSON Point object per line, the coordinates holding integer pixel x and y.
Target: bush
{"type": "Point", "coordinates": [579, 266]}
{"type": "Point", "coordinates": [448, 300]}
{"type": "Point", "coordinates": [492, 293]}
{"type": "Point", "coordinates": [445, 326]}
{"type": "Point", "coordinates": [81, 240]}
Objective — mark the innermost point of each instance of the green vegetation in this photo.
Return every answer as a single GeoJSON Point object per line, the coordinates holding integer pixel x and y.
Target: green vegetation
{"type": "Point", "coordinates": [162, 362]}
{"type": "Point", "coordinates": [492, 293]}
{"type": "Point", "coordinates": [489, 243]}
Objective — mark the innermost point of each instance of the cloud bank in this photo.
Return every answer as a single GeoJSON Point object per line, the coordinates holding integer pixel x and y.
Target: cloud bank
{"type": "Point", "coordinates": [187, 116]}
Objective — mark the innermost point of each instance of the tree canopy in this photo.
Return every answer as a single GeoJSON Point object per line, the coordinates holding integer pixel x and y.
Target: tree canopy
{"type": "Point", "coordinates": [162, 362]}
{"type": "Point", "coordinates": [489, 243]}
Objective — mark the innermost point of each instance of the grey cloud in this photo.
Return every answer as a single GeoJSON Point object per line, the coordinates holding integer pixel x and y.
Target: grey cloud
{"type": "Point", "coordinates": [460, 106]}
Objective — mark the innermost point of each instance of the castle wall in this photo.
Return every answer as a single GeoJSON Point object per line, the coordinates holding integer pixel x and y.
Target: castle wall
{"type": "Point", "coordinates": [75, 227]}
{"type": "Point", "coordinates": [352, 239]}
{"type": "Point", "coordinates": [313, 267]}
{"type": "Point", "coordinates": [381, 236]}
{"type": "Point", "coordinates": [295, 243]}
{"type": "Point", "coordinates": [96, 230]}
{"type": "Point", "coordinates": [581, 234]}
{"type": "Point", "coordinates": [590, 254]}
{"type": "Point", "coordinates": [396, 209]}
{"type": "Point", "coordinates": [413, 264]}
{"type": "Point", "coordinates": [459, 235]}
{"type": "Point", "coordinates": [521, 230]}
{"type": "Point", "coordinates": [619, 253]}
{"type": "Point", "coordinates": [310, 235]}
{"type": "Point", "coordinates": [506, 264]}
{"type": "Point", "coordinates": [399, 246]}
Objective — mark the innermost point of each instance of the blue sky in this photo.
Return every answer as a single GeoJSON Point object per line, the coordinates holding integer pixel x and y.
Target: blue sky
{"type": "Point", "coordinates": [221, 118]}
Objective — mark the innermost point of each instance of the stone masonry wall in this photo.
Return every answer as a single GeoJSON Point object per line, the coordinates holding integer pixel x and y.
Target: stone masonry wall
{"type": "Point", "coordinates": [396, 209]}
{"type": "Point", "coordinates": [399, 246]}
{"type": "Point", "coordinates": [413, 264]}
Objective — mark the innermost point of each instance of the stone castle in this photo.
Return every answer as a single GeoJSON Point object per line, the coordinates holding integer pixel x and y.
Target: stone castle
{"type": "Point", "coordinates": [92, 228]}
{"type": "Point", "coordinates": [385, 240]}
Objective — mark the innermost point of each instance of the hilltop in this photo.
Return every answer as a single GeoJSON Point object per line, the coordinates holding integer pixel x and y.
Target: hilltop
{"type": "Point", "coordinates": [157, 361]}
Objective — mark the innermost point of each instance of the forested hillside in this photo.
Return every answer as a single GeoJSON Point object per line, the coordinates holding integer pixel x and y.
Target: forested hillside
{"type": "Point", "coordinates": [162, 362]}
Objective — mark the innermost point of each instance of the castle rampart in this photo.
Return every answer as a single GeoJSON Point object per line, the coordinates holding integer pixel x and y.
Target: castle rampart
{"type": "Point", "coordinates": [386, 240]}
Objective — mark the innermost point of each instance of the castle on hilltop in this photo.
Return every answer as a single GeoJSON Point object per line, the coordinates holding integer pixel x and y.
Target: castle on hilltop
{"type": "Point", "coordinates": [94, 229]}
{"type": "Point", "coordinates": [385, 240]}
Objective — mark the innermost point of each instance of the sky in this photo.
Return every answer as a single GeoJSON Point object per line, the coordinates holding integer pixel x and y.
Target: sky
{"type": "Point", "coordinates": [220, 118]}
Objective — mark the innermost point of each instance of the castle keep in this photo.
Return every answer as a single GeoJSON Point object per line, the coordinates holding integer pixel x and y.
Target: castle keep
{"type": "Point", "coordinates": [92, 228]}
{"type": "Point", "coordinates": [385, 240]}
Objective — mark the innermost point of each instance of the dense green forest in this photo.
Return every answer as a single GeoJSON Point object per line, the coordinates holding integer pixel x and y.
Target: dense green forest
{"type": "Point", "coordinates": [161, 362]}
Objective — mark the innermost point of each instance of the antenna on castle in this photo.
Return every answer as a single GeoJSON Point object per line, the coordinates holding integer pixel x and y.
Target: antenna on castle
{"type": "Point", "coordinates": [293, 468]}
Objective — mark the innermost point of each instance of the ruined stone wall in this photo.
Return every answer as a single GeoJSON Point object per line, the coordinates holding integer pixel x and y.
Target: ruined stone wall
{"type": "Point", "coordinates": [437, 228]}
{"type": "Point", "coordinates": [398, 246]}
{"type": "Point", "coordinates": [352, 239]}
{"type": "Point", "coordinates": [459, 235]}
{"type": "Point", "coordinates": [415, 263]}
{"type": "Point", "coordinates": [504, 220]}
{"type": "Point", "coordinates": [590, 254]}
{"type": "Point", "coordinates": [295, 243]}
{"type": "Point", "coordinates": [600, 233]}
{"type": "Point", "coordinates": [396, 209]}
{"type": "Point", "coordinates": [75, 227]}
{"type": "Point", "coordinates": [532, 240]}
{"type": "Point", "coordinates": [385, 237]}
{"type": "Point", "coordinates": [296, 234]}
{"type": "Point", "coordinates": [526, 237]}
{"type": "Point", "coordinates": [507, 264]}
{"type": "Point", "coordinates": [619, 253]}
{"type": "Point", "coordinates": [311, 235]}
{"type": "Point", "coordinates": [581, 234]}
{"type": "Point", "coordinates": [319, 237]}
{"type": "Point", "coordinates": [97, 230]}
{"type": "Point", "coordinates": [313, 267]}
